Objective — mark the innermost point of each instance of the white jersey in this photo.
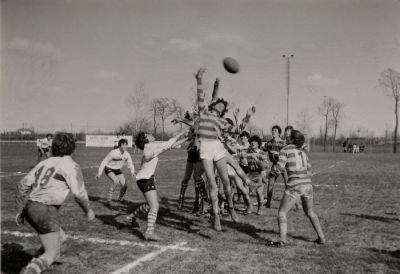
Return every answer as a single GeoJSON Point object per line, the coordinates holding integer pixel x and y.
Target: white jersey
{"type": "Point", "coordinates": [50, 182]}
{"type": "Point", "coordinates": [151, 151]}
{"type": "Point", "coordinates": [44, 143]}
{"type": "Point", "coordinates": [115, 160]}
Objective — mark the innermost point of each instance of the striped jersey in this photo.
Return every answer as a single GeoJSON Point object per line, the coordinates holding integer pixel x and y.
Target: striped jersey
{"type": "Point", "coordinates": [257, 160]}
{"type": "Point", "coordinates": [50, 182]}
{"type": "Point", "coordinates": [115, 160]}
{"type": "Point", "coordinates": [273, 147]}
{"type": "Point", "coordinates": [211, 126]}
{"type": "Point", "coordinates": [297, 165]}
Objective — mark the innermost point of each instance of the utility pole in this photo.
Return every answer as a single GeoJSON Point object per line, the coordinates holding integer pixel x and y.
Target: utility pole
{"type": "Point", "coordinates": [287, 57]}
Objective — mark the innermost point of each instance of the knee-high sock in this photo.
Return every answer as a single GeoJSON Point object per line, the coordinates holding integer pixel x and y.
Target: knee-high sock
{"type": "Point", "coordinates": [151, 220]}
{"type": "Point", "coordinates": [184, 185]}
{"type": "Point", "coordinates": [111, 191]}
{"type": "Point", "coordinates": [143, 208]}
{"type": "Point", "coordinates": [122, 191]}
{"type": "Point", "coordinates": [36, 266]}
{"type": "Point", "coordinates": [282, 227]}
{"type": "Point", "coordinates": [201, 186]}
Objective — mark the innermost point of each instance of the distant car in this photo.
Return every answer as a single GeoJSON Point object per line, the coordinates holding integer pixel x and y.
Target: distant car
{"type": "Point", "coordinates": [351, 142]}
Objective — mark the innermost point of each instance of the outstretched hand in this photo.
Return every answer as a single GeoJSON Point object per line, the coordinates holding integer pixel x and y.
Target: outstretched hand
{"type": "Point", "coordinates": [199, 74]}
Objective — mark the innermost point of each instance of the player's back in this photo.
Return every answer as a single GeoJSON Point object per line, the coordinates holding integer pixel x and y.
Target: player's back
{"type": "Point", "coordinates": [50, 179]}
{"type": "Point", "coordinates": [297, 165]}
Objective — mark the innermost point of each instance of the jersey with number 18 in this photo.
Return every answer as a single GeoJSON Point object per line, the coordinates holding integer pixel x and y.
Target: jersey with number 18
{"type": "Point", "coordinates": [50, 182]}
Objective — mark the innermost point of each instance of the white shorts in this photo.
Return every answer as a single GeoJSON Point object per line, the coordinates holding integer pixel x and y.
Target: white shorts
{"type": "Point", "coordinates": [212, 150]}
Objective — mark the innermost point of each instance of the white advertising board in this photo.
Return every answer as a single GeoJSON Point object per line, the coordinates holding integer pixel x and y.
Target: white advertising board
{"type": "Point", "coordinates": [105, 140]}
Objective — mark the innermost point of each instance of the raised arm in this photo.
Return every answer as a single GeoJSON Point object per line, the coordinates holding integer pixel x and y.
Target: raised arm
{"type": "Point", "coordinates": [24, 187]}
{"type": "Point", "coordinates": [215, 90]}
{"type": "Point", "coordinates": [200, 89]}
{"type": "Point", "coordinates": [152, 151]}
{"type": "Point", "coordinates": [246, 118]}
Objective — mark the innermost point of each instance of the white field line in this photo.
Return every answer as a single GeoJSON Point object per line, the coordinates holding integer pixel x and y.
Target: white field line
{"type": "Point", "coordinates": [126, 268]}
{"type": "Point", "coordinates": [13, 174]}
{"type": "Point", "coordinates": [84, 239]}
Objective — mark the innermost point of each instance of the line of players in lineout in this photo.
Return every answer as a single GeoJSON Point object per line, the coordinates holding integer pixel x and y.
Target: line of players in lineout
{"type": "Point", "coordinates": [221, 156]}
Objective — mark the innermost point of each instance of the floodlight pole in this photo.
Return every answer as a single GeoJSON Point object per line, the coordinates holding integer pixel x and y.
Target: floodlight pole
{"type": "Point", "coordinates": [287, 57]}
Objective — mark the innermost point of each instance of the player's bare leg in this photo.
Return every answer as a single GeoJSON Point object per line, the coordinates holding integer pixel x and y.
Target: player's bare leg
{"type": "Point", "coordinates": [245, 192]}
{"type": "Point", "coordinates": [124, 187]}
{"type": "Point", "coordinates": [286, 204]}
{"type": "Point", "coordinates": [239, 171]}
{"type": "Point", "coordinates": [308, 210]}
{"type": "Point", "coordinates": [209, 170]}
{"type": "Point", "coordinates": [114, 182]}
{"type": "Point", "coordinates": [185, 183]}
{"type": "Point", "coordinates": [260, 198]}
{"type": "Point", "coordinates": [223, 173]}
{"type": "Point", "coordinates": [52, 245]}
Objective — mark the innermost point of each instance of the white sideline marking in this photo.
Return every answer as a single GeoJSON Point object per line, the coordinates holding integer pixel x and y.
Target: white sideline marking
{"type": "Point", "coordinates": [105, 241]}
{"type": "Point", "coordinates": [145, 258]}
{"type": "Point", "coordinates": [14, 174]}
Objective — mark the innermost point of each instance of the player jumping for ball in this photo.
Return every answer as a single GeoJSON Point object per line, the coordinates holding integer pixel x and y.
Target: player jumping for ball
{"type": "Point", "coordinates": [41, 193]}
{"type": "Point", "coordinates": [297, 165]}
{"type": "Point", "coordinates": [145, 178]}
{"type": "Point", "coordinates": [112, 164]}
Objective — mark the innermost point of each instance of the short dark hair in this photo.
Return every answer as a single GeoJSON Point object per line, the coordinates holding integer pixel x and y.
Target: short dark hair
{"type": "Point", "coordinates": [297, 138]}
{"type": "Point", "coordinates": [278, 128]}
{"type": "Point", "coordinates": [245, 133]}
{"type": "Point", "coordinates": [122, 141]}
{"type": "Point", "coordinates": [220, 100]}
{"type": "Point", "coordinates": [141, 140]}
{"type": "Point", "coordinates": [289, 127]}
{"type": "Point", "coordinates": [63, 144]}
{"type": "Point", "coordinates": [49, 135]}
{"type": "Point", "coordinates": [255, 138]}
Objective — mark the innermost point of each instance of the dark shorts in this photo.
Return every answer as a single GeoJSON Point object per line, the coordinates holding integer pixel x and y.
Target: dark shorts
{"type": "Point", "coordinates": [193, 155]}
{"type": "Point", "coordinates": [146, 185]}
{"type": "Point", "coordinates": [43, 218]}
{"type": "Point", "coordinates": [45, 150]}
{"type": "Point", "coordinates": [115, 171]}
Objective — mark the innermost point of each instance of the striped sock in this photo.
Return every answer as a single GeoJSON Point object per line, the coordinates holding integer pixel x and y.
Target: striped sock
{"type": "Point", "coordinates": [122, 192]}
{"type": "Point", "coordinates": [36, 266]}
{"type": "Point", "coordinates": [143, 208]}
{"type": "Point", "coordinates": [151, 220]}
{"type": "Point", "coordinates": [111, 191]}
{"type": "Point", "coordinates": [201, 186]}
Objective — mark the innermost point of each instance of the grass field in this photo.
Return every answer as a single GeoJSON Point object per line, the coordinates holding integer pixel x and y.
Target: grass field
{"type": "Point", "coordinates": [356, 198]}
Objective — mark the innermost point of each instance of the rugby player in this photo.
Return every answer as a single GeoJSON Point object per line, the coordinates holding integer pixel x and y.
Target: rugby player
{"type": "Point", "coordinates": [296, 162]}
{"type": "Point", "coordinates": [41, 193]}
{"type": "Point", "coordinates": [112, 164]}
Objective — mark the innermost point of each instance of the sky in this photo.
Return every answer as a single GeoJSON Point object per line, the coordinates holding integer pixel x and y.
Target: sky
{"type": "Point", "coordinates": [73, 63]}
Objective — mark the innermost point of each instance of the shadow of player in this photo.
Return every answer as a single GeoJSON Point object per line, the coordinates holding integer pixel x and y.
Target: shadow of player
{"type": "Point", "coordinates": [13, 258]}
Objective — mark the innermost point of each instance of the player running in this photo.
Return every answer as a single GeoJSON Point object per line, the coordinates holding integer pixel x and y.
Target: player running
{"type": "Point", "coordinates": [112, 164]}
{"type": "Point", "coordinates": [41, 193]}
{"type": "Point", "coordinates": [145, 178]}
{"type": "Point", "coordinates": [297, 165]}
{"type": "Point", "coordinates": [44, 146]}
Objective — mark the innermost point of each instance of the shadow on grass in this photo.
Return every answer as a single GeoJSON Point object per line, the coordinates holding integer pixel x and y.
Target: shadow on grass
{"type": "Point", "coordinates": [13, 258]}
{"type": "Point", "coordinates": [373, 217]}
{"type": "Point", "coordinates": [394, 253]}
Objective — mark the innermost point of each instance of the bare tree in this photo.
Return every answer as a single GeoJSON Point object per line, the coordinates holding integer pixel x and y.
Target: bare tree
{"type": "Point", "coordinates": [304, 121]}
{"type": "Point", "coordinates": [337, 115]}
{"type": "Point", "coordinates": [164, 108]}
{"type": "Point", "coordinates": [324, 110]}
{"type": "Point", "coordinates": [138, 102]}
{"type": "Point", "coordinates": [153, 108]}
{"type": "Point", "coordinates": [178, 110]}
{"type": "Point", "coordinates": [390, 81]}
